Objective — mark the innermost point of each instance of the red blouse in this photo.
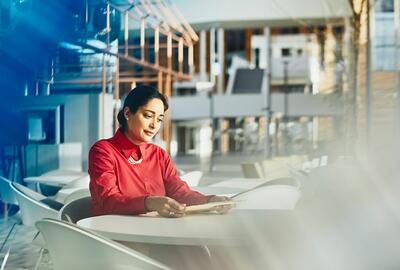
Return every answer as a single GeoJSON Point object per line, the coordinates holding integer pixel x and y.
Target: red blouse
{"type": "Point", "coordinates": [119, 187]}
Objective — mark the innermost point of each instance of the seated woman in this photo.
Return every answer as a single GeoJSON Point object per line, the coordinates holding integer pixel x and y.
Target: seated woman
{"type": "Point", "coordinates": [129, 175]}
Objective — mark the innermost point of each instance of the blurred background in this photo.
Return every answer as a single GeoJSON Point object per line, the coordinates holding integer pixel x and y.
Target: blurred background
{"type": "Point", "coordinates": [247, 81]}
{"type": "Point", "coordinates": [261, 78]}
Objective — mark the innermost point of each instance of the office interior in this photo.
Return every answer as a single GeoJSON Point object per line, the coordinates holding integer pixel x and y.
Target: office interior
{"type": "Point", "coordinates": [298, 98]}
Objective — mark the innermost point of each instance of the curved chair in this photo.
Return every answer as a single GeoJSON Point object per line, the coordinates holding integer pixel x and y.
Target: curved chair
{"type": "Point", "coordinates": [7, 195]}
{"type": "Point", "coordinates": [192, 178]}
{"type": "Point", "coordinates": [70, 192]}
{"type": "Point", "coordinates": [252, 170]}
{"type": "Point", "coordinates": [34, 206]}
{"type": "Point", "coordinates": [77, 194]}
{"type": "Point", "coordinates": [269, 197]}
{"type": "Point", "coordinates": [72, 247]}
{"type": "Point", "coordinates": [76, 210]}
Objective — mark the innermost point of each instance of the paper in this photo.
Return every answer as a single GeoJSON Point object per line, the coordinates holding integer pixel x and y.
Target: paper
{"type": "Point", "coordinates": [207, 206]}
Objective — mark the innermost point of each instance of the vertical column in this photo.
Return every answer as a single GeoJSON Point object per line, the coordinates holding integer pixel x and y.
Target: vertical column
{"type": "Point", "coordinates": [203, 55]}
{"type": "Point", "coordinates": [169, 52]}
{"type": "Point", "coordinates": [266, 89]}
{"type": "Point", "coordinates": [368, 76]}
{"type": "Point", "coordinates": [180, 55]}
{"type": "Point", "coordinates": [212, 54]}
{"type": "Point", "coordinates": [190, 60]}
{"type": "Point", "coordinates": [160, 82]}
{"type": "Point", "coordinates": [117, 105]}
{"type": "Point", "coordinates": [142, 38]}
{"type": "Point", "coordinates": [221, 61]}
{"type": "Point", "coordinates": [167, 92]}
{"type": "Point", "coordinates": [157, 45]}
{"type": "Point", "coordinates": [126, 32]}
{"type": "Point", "coordinates": [103, 95]}
{"type": "Point", "coordinates": [108, 24]}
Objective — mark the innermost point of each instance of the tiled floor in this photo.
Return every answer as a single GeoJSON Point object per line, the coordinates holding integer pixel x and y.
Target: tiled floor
{"type": "Point", "coordinates": [23, 254]}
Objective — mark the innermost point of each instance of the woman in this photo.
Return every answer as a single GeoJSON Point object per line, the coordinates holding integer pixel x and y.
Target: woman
{"type": "Point", "coordinates": [129, 175]}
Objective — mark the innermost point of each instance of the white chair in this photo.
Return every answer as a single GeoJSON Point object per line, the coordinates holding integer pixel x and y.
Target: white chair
{"type": "Point", "coordinates": [76, 210]}
{"type": "Point", "coordinates": [252, 170]}
{"type": "Point", "coordinates": [77, 194]}
{"type": "Point", "coordinates": [269, 197]}
{"type": "Point", "coordinates": [72, 190]}
{"type": "Point", "coordinates": [7, 195]}
{"type": "Point", "coordinates": [72, 247]}
{"type": "Point", "coordinates": [32, 205]}
{"type": "Point", "coordinates": [192, 178]}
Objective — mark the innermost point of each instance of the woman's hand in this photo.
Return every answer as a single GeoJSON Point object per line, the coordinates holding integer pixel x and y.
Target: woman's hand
{"type": "Point", "coordinates": [223, 209]}
{"type": "Point", "coordinates": [165, 206]}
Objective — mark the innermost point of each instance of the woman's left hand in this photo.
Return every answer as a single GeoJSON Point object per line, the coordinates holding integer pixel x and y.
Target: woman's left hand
{"type": "Point", "coordinates": [223, 209]}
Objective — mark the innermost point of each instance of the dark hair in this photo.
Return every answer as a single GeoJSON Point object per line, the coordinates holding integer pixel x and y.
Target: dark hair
{"type": "Point", "coordinates": [138, 97]}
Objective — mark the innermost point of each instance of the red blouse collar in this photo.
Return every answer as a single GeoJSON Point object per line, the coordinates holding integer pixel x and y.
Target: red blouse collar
{"type": "Point", "coordinates": [127, 147]}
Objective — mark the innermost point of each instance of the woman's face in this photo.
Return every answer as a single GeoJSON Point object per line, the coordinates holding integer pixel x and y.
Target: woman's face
{"type": "Point", "coordinates": [146, 122]}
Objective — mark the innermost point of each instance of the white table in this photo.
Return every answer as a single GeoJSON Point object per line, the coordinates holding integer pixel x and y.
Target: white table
{"type": "Point", "coordinates": [192, 230]}
{"type": "Point", "coordinates": [240, 183]}
{"type": "Point", "coordinates": [56, 179]}
{"type": "Point", "coordinates": [216, 190]}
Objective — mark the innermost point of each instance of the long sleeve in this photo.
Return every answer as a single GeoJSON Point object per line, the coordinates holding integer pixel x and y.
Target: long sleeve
{"type": "Point", "coordinates": [106, 194]}
{"type": "Point", "coordinates": [176, 188]}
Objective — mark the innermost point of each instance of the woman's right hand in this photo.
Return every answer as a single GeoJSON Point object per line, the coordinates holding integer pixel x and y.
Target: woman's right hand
{"type": "Point", "coordinates": [165, 206]}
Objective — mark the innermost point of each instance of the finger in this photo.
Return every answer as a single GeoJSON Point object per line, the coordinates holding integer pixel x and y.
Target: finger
{"type": "Point", "coordinates": [224, 209]}
{"type": "Point", "coordinates": [176, 207]}
{"type": "Point", "coordinates": [177, 215]}
{"type": "Point", "coordinates": [164, 213]}
{"type": "Point", "coordinates": [172, 214]}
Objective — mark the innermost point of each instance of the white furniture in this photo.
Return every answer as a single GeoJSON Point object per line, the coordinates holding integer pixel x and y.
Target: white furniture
{"type": "Point", "coordinates": [216, 190]}
{"type": "Point", "coordinates": [240, 183]}
{"type": "Point", "coordinates": [72, 247]}
{"type": "Point", "coordinates": [192, 230]}
{"type": "Point", "coordinates": [252, 170]}
{"type": "Point", "coordinates": [76, 194]}
{"type": "Point", "coordinates": [283, 197]}
{"type": "Point", "coordinates": [7, 195]}
{"type": "Point", "coordinates": [76, 210]}
{"type": "Point", "coordinates": [73, 190]}
{"type": "Point", "coordinates": [192, 178]}
{"type": "Point", "coordinates": [59, 179]}
{"type": "Point", "coordinates": [31, 208]}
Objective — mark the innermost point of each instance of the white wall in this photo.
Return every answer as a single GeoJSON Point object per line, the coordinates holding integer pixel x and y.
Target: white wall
{"type": "Point", "coordinates": [82, 118]}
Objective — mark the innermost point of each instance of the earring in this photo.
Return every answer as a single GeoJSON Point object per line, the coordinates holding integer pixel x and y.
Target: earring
{"type": "Point", "coordinates": [127, 119]}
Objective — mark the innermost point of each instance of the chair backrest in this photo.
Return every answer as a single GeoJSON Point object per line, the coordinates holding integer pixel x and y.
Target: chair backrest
{"type": "Point", "coordinates": [269, 197]}
{"type": "Point", "coordinates": [31, 208]}
{"type": "Point", "coordinates": [77, 194]}
{"type": "Point", "coordinates": [273, 165]}
{"type": "Point", "coordinates": [192, 178]}
{"type": "Point", "coordinates": [81, 182]}
{"type": "Point", "coordinates": [7, 194]}
{"type": "Point", "coordinates": [76, 210]}
{"type": "Point", "coordinates": [72, 247]}
{"type": "Point", "coordinates": [252, 170]}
